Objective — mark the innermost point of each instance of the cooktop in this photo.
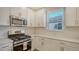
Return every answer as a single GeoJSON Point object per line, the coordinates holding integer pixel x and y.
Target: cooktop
{"type": "Point", "coordinates": [19, 37]}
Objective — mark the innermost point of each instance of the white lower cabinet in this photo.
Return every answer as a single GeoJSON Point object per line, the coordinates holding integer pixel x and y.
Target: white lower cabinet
{"type": "Point", "coordinates": [6, 47]}
{"type": "Point", "coordinates": [46, 44]}
{"type": "Point", "coordinates": [37, 43]}
{"type": "Point", "coordinates": [51, 45]}
{"type": "Point", "coordinates": [68, 46]}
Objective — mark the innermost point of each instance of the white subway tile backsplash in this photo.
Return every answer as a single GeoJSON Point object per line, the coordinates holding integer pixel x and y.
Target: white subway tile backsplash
{"type": "Point", "coordinates": [4, 30]}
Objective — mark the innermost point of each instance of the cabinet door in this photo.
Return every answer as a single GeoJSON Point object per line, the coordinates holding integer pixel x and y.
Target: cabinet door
{"type": "Point", "coordinates": [37, 43]}
{"type": "Point", "coordinates": [52, 45]}
{"type": "Point", "coordinates": [47, 45]}
{"type": "Point", "coordinates": [4, 16]}
{"type": "Point", "coordinates": [41, 18]}
{"type": "Point", "coordinates": [31, 18]}
{"type": "Point", "coordinates": [70, 16]}
{"type": "Point", "coordinates": [68, 46]}
{"type": "Point", "coordinates": [36, 18]}
{"type": "Point", "coordinates": [6, 47]}
{"type": "Point", "coordinates": [16, 11]}
{"type": "Point", "coordinates": [24, 12]}
{"type": "Point", "coordinates": [77, 15]}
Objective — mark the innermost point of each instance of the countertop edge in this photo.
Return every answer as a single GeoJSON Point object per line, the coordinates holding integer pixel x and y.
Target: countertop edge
{"type": "Point", "coordinates": [59, 38]}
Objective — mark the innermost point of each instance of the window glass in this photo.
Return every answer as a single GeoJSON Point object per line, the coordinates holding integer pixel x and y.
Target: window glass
{"type": "Point", "coordinates": [55, 20]}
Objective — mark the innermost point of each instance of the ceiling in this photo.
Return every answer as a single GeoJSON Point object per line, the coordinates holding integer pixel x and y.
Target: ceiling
{"type": "Point", "coordinates": [35, 8]}
{"type": "Point", "coordinates": [49, 8]}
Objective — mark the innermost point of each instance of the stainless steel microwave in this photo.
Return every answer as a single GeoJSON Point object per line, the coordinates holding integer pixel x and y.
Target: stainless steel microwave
{"type": "Point", "coordinates": [15, 21]}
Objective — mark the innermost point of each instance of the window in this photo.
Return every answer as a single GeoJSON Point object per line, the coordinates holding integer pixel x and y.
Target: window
{"type": "Point", "coordinates": [55, 20]}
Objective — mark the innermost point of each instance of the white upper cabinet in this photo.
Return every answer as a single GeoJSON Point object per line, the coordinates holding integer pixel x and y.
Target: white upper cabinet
{"type": "Point", "coordinates": [20, 12]}
{"type": "Point", "coordinates": [4, 16]}
{"type": "Point", "coordinates": [77, 16]}
{"type": "Point", "coordinates": [36, 18]}
{"type": "Point", "coordinates": [31, 18]}
{"type": "Point", "coordinates": [41, 18]}
{"type": "Point", "coordinates": [15, 11]}
{"type": "Point", "coordinates": [72, 16]}
{"type": "Point", "coordinates": [24, 12]}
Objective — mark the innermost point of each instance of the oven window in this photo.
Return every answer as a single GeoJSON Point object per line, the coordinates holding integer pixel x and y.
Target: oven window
{"type": "Point", "coordinates": [18, 48]}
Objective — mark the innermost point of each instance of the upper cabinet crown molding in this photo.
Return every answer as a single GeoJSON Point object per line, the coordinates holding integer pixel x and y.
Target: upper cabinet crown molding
{"type": "Point", "coordinates": [36, 8]}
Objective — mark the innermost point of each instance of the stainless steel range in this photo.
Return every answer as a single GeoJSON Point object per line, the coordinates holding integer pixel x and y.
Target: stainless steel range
{"type": "Point", "coordinates": [21, 42]}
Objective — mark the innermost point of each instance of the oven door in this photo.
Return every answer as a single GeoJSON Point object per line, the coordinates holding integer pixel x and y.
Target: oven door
{"type": "Point", "coordinates": [18, 47]}
{"type": "Point", "coordinates": [24, 46]}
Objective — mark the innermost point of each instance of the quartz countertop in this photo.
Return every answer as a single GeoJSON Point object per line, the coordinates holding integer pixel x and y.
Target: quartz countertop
{"type": "Point", "coordinates": [74, 40]}
{"type": "Point", "coordinates": [5, 40]}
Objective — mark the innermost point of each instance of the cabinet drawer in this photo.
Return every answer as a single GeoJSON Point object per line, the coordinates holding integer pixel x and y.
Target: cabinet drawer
{"type": "Point", "coordinates": [68, 48]}
{"type": "Point", "coordinates": [70, 44]}
{"type": "Point", "coordinates": [6, 47]}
